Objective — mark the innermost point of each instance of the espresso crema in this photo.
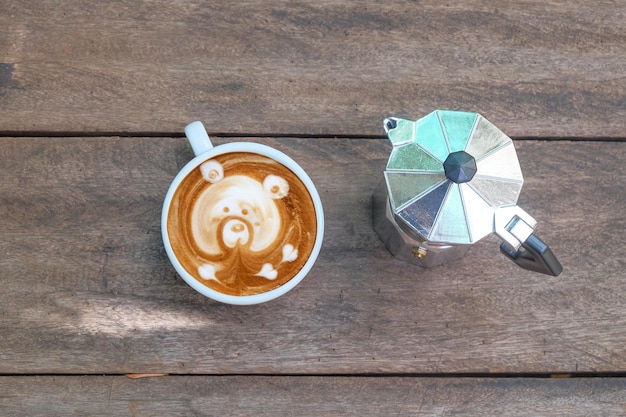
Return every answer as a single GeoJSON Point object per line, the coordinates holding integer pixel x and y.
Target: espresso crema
{"type": "Point", "coordinates": [242, 223]}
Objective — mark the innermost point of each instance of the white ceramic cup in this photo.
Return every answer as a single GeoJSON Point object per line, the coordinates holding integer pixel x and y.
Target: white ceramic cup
{"type": "Point", "coordinates": [204, 150]}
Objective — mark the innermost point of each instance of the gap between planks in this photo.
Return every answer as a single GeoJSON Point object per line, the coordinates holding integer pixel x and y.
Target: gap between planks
{"type": "Point", "coordinates": [40, 134]}
{"type": "Point", "coordinates": [525, 375]}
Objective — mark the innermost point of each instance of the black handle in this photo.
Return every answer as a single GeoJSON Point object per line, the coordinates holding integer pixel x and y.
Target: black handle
{"type": "Point", "coordinates": [534, 255]}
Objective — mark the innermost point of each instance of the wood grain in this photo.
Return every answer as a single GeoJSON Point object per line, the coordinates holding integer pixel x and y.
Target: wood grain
{"type": "Point", "coordinates": [87, 288]}
{"type": "Point", "coordinates": [534, 68]}
{"type": "Point", "coordinates": [309, 396]}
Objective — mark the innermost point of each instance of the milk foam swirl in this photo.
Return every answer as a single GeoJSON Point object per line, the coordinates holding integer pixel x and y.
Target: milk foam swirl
{"type": "Point", "coordinates": [247, 223]}
{"type": "Point", "coordinates": [235, 211]}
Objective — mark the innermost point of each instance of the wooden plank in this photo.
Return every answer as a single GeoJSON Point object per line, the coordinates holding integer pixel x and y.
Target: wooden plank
{"type": "Point", "coordinates": [308, 396]}
{"type": "Point", "coordinates": [541, 68]}
{"type": "Point", "coordinates": [87, 287]}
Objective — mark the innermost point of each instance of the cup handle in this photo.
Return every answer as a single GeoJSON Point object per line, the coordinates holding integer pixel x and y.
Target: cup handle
{"type": "Point", "coordinates": [198, 138]}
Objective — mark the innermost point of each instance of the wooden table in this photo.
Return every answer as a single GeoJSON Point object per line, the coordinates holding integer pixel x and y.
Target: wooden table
{"type": "Point", "coordinates": [93, 100]}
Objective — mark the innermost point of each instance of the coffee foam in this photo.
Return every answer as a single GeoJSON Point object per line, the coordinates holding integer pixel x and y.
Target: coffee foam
{"type": "Point", "coordinates": [242, 223]}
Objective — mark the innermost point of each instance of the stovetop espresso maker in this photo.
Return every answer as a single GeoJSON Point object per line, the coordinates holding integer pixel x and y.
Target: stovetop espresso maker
{"type": "Point", "coordinates": [453, 178]}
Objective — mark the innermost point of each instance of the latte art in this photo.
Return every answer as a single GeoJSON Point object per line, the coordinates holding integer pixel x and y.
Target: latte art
{"type": "Point", "coordinates": [236, 211]}
{"type": "Point", "coordinates": [242, 223]}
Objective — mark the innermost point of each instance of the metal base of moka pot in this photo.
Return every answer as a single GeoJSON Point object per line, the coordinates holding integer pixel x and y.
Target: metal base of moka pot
{"type": "Point", "coordinates": [404, 245]}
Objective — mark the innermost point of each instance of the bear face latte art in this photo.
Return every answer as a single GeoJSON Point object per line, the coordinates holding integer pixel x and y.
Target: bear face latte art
{"type": "Point", "coordinates": [242, 223]}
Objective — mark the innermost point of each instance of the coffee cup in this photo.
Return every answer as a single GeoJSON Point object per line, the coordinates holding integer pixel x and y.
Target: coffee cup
{"type": "Point", "coordinates": [242, 222]}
